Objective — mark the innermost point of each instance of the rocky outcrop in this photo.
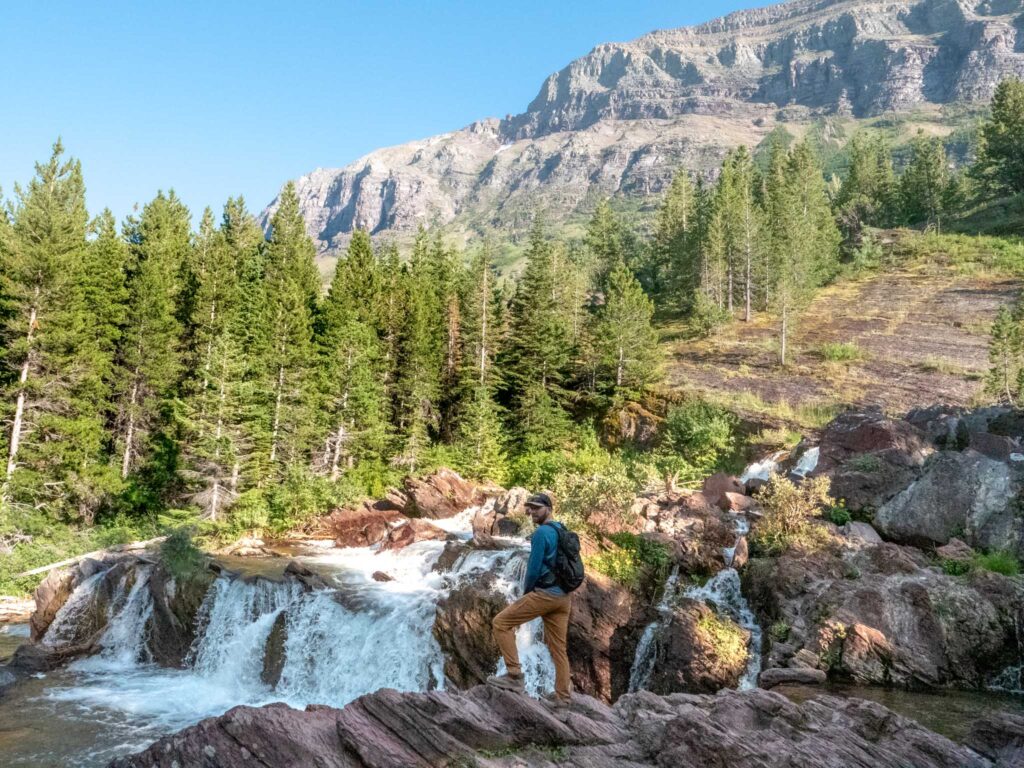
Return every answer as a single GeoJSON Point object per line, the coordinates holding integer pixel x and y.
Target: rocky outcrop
{"type": "Point", "coordinates": [463, 630]}
{"type": "Point", "coordinates": [176, 603]}
{"type": "Point", "coordinates": [274, 651]}
{"type": "Point", "coordinates": [407, 532]}
{"type": "Point", "coordinates": [964, 495]}
{"type": "Point", "coordinates": [488, 727]}
{"type": "Point", "coordinates": [50, 596]}
{"type": "Point", "coordinates": [622, 118]}
{"type": "Point", "coordinates": [999, 737]}
{"type": "Point", "coordinates": [700, 652]}
{"type": "Point", "coordinates": [882, 614]}
{"type": "Point", "coordinates": [694, 531]}
{"type": "Point", "coordinates": [360, 527]}
{"type": "Point", "coordinates": [440, 495]}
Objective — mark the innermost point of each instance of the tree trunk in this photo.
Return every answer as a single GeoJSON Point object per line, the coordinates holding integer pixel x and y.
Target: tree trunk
{"type": "Point", "coordinates": [129, 437]}
{"type": "Point", "coordinates": [621, 366]}
{"type": "Point", "coordinates": [19, 408]}
{"type": "Point", "coordinates": [277, 414]}
{"type": "Point", "coordinates": [785, 329]}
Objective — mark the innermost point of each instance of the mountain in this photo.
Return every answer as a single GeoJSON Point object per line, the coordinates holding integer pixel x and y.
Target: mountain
{"type": "Point", "coordinates": [621, 119]}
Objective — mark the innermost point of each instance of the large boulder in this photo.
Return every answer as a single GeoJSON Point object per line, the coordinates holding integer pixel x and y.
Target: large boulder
{"type": "Point", "coordinates": [50, 596]}
{"type": "Point", "coordinates": [462, 628]}
{"type": "Point", "coordinates": [176, 604]}
{"type": "Point", "coordinates": [631, 425]}
{"type": "Point", "coordinates": [274, 651]}
{"type": "Point", "coordinates": [999, 736]}
{"type": "Point", "coordinates": [964, 495]}
{"type": "Point", "coordinates": [360, 527]}
{"type": "Point", "coordinates": [440, 495]}
{"type": "Point", "coordinates": [698, 651]}
{"type": "Point", "coordinates": [883, 614]}
{"type": "Point", "coordinates": [695, 532]}
{"type": "Point", "coordinates": [410, 531]}
{"type": "Point", "coordinates": [487, 726]}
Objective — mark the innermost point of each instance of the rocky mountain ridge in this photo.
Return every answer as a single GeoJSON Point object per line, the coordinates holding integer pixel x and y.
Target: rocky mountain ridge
{"type": "Point", "coordinates": [621, 119]}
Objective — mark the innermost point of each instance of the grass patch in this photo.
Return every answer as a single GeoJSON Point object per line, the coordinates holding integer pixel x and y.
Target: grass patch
{"type": "Point", "coordinates": [841, 352]}
{"type": "Point", "coordinates": [807, 415]}
{"type": "Point", "coordinates": [633, 561]}
{"type": "Point", "coordinates": [1004, 563]}
{"type": "Point", "coordinates": [932, 364]}
{"type": "Point", "coordinates": [728, 640]}
{"type": "Point", "coordinates": [865, 462]}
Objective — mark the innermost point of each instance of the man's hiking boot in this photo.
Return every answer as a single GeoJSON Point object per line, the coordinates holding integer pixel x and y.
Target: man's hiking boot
{"type": "Point", "coordinates": [515, 683]}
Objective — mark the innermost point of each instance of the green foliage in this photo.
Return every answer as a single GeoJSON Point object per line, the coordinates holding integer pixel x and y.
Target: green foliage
{"type": "Point", "coordinates": [1000, 162]}
{"type": "Point", "coordinates": [926, 189]}
{"type": "Point", "coordinates": [955, 567]}
{"type": "Point", "coordinates": [779, 631]}
{"type": "Point", "coordinates": [839, 514]}
{"type": "Point", "coordinates": [841, 352]}
{"type": "Point", "coordinates": [726, 637]}
{"type": "Point", "coordinates": [1005, 563]}
{"type": "Point", "coordinates": [865, 462]}
{"type": "Point", "coordinates": [700, 433]}
{"type": "Point", "coordinates": [633, 561]}
{"type": "Point", "coordinates": [789, 516]}
{"type": "Point", "coordinates": [180, 556]}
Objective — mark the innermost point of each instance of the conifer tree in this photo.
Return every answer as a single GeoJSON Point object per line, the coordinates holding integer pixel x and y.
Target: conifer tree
{"type": "Point", "coordinates": [1004, 354]}
{"type": "Point", "coordinates": [925, 184]}
{"type": "Point", "coordinates": [292, 287]}
{"type": "Point", "coordinates": [59, 353]}
{"type": "Point", "coordinates": [626, 341]}
{"type": "Point", "coordinates": [805, 242]}
{"type": "Point", "coordinates": [675, 238]}
{"type": "Point", "coordinates": [392, 322]}
{"type": "Point", "coordinates": [352, 399]}
{"type": "Point", "coordinates": [540, 351]}
{"type": "Point", "coordinates": [867, 194]}
{"type": "Point", "coordinates": [604, 240]}
{"type": "Point", "coordinates": [1000, 160]}
{"type": "Point", "coordinates": [150, 354]}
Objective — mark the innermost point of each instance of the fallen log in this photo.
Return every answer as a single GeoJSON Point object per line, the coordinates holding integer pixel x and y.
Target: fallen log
{"type": "Point", "coordinates": [130, 547]}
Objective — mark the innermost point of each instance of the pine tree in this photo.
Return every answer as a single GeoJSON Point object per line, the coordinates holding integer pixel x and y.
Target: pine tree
{"type": "Point", "coordinates": [352, 405]}
{"type": "Point", "coordinates": [1000, 160]}
{"type": "Point", "coordinates": [292, 291]}
{"type": "Point", "coordinates": [675, 238]}
{"type": "Point", "coordinates": [150, 354]}
{"type": "Point", "coordinates": [1004, 353]}
{"type": "Point", "coordinates": [626, 341]}
{"type": "Point", "coordinates": [924, 186]}
{"type": "Point", "coordinates": [539, 352]}
{"type": "Point", "coordinates": [805, 240]}
{"type": "Point", "coordinates": [59, 352]}
{"type": "Point", "coordinates": [604, 240]}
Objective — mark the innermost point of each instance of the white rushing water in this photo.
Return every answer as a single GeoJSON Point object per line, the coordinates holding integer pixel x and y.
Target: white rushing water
{"type": "Point", "coordinates": [646, 649]}
{"type": "Point", "coordinates": [340, 643]}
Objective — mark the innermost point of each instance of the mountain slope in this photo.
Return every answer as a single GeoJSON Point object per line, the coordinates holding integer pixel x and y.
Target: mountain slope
{"type": "Point", "coordinates": [621, 119]}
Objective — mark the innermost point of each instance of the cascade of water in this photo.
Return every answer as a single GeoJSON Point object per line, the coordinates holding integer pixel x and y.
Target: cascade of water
{"type": "Point", "coordinates": [723, 592]}
{"type": "Point", "coordinates": [808, 462]}
{"type": "Point", "coordinates": [123, 643]}
{"type": "Point", "coordinates": [764, 469]}
{"type": "Point", "coordinates": [62, 629]}
{"type": "Point", "coordinates": [644, 658]}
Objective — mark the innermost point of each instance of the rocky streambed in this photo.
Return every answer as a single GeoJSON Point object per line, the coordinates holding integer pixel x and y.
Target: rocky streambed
{"type": "Point", "coordinates": [399, 594]}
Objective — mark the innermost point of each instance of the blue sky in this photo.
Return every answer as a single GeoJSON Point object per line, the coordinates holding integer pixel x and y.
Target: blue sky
{"type": "Point", "coordinates": [223, 98]}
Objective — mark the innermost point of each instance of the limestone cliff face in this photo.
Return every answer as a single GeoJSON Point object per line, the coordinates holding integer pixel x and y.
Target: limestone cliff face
{"type": "Point", "coordinates": [623, 117]}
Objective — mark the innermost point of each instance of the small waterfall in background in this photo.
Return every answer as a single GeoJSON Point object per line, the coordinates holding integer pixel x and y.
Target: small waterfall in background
{"type": "Point", "coordinates": [62, 629]}
{"type": "Point", "coordinates": [724, 594]}
{"type": "Point", "coordinates": [123, 642]}
{"type": "Point", "coordinates": [646, 649]}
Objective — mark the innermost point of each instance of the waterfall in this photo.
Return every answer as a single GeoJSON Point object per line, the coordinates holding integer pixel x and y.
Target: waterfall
{"type": "Point", "coordinates": [646, 650]}
{"type": "Point", "coordinates": [63, 628]}
{"type": "Point", "coordinates": [123, 642]}
{"type": "Point", "coordinates": [723, 593]}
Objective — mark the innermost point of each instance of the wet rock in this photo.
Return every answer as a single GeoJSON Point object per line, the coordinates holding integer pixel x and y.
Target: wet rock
{"type": "Point", "coordinates": [274, 651]}
{"type": "Point", "coordinates": [411, 531]}
{"type": "Point", "coordinates": [441, 495]}
{"type": "Point", "coordinates": [698, 652]}
{"type": "Point", "coordinates": [512, 502]}
{"type": "Point", "coordinates": [736, 502]}
{"type": "Point", "coordinates": [382, 577]}
{"type": "Point", "coordinates": [173, 624]}
{"type": "Point", "coordinates": [741, 554]}
{"type": "Point", "coordinates": [386, 729]}
{"type": "Point", "coordinates": [361, 527]}
{"type": "Point", "coordinates": [604, 628]}
{"type": "Point", "coordinates": [249, 547]}
{"type": "Point", "coordinates": [310, 579]}
{"type": "Point", "coordinates": [999, 737]}
{"type": "Point", "coordinates": [15, 610]}
{"type": "Point", "coordinates": [884, 615]}
{"type": "Point", "coordinates": [463, 630]}
{"type": "Point", "coordinates": [770, 678]}
{"type": "Point", "coordinates": [50, 596]}
{"type": "Point", "coordinates": [453, 551]}
{"type": "Point", "coordinates": [964, 495]}
{"type": "Point", "coordinates": [484, 522]}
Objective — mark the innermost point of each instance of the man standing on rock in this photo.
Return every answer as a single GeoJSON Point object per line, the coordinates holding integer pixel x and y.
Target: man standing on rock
{"type": "Point", "coordinates": [554, 570]}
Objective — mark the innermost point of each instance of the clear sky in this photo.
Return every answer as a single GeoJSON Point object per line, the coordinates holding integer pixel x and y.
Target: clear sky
{"type": "Point", "coordinates": [221, 98]}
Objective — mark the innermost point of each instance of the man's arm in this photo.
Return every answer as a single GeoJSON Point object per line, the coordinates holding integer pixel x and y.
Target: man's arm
{"type": "Point", "coordinates": [539, 545]}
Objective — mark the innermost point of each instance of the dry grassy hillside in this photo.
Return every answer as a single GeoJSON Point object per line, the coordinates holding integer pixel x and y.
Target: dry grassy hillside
{"type": "Point", "coordinates": [913, 330]}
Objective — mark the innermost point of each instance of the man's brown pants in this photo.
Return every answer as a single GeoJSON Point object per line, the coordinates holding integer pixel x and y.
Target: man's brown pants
{"type": "Point", "coordinates": [554, 609]}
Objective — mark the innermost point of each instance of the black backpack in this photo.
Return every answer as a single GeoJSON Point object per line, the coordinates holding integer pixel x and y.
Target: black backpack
{"type": "Point", "coordinates": [568, 570]}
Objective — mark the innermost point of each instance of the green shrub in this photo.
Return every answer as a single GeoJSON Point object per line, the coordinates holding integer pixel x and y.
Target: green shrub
{"type": "Point", "coordinates": [955, 567]}
{"type": "Point", "coordinates": [839, 514]}
{"type": "Point", "coordinates": [998, 562]}
{"type": "Point", "coordinates": [841, 352]}
{"type": "Point", "coordinates": [779, 631]}
{"type": "Point", "coordinates": [725, 637]}
{"type": "Point", "coordinates": [633, 561]}
{"type": "Point", "coordinates": [789, 513]}
{"type": "Point", "coordinates": [865, 462]}
{"type": "Point", "coordinates": [701, 433]}
{"type": "Point", "coordinates": [180, 556]}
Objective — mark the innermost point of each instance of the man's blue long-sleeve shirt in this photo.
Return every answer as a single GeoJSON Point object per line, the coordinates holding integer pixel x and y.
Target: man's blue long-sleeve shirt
{"type": "Point", "coordinates": [543, 548]}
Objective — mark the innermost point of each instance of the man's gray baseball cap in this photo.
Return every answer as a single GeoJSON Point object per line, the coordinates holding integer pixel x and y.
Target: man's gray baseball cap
{"type": "Point", "coordinates": [539, 500]}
